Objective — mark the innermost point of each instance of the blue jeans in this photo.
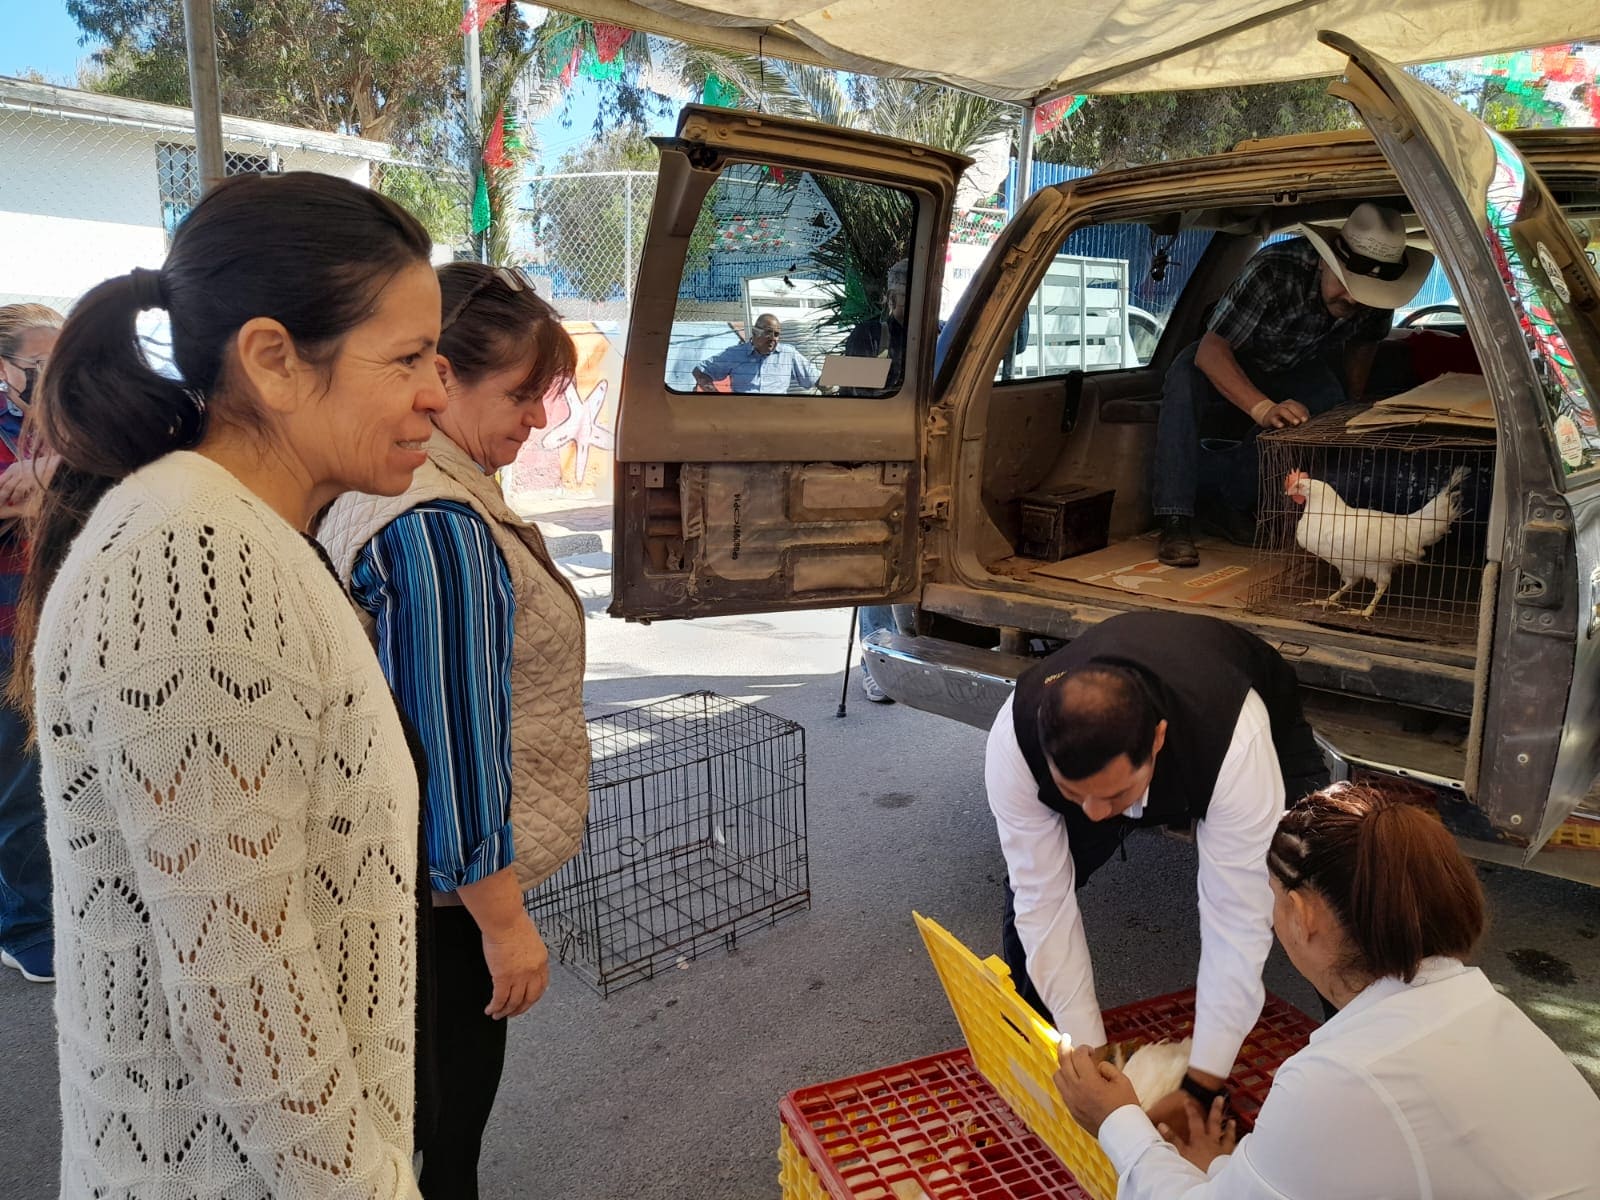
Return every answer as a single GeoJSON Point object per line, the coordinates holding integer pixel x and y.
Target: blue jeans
{"type": "Point", "coordinates": [1228, 469]}
{"type": "Point", "coordinates": [896, 617]}
{"type": "Point", "coordinates": [24, 859]}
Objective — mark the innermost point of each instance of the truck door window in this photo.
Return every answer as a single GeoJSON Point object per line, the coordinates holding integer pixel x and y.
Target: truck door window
{"type": "Point", "coordinates": [1104, 301]}
{"type": "Point", "coordinates": [795, 282]}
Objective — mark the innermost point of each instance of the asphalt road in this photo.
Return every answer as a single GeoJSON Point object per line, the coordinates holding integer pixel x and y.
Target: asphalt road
{"type": "Point", "coordinates": [669, 1088]}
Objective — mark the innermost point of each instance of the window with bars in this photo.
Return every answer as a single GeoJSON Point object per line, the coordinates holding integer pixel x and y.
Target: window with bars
{"type": "Point", "coordinates": [178, 178]}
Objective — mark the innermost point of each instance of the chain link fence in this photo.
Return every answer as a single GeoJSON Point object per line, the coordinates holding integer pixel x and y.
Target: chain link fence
{"type": "Point", "coordinates": [95, 185]}
{"type": "Point", "coordinates": [582, 238]}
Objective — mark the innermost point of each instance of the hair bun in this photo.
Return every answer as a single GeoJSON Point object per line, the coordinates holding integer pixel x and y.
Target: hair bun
{"type": "Point", "coordinates": [149, 288]}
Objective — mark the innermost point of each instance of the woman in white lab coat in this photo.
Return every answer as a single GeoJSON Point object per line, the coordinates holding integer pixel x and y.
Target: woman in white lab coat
{"type": "Point", "coordinates": [1426, 1083]}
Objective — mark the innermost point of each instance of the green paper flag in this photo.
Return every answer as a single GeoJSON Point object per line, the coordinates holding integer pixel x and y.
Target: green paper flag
{"type": "Point", "coordinates": [481, 216]}
{"type": "Point", "coordinates": [719, 93]}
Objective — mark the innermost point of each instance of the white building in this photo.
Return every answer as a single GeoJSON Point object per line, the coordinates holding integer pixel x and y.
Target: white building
{"type": "Point", "coordinates": [91, 185]}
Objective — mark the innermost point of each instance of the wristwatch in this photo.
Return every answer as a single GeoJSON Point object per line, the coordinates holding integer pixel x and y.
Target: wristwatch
{"type": "Point", "coordinates": [1206, 1096]}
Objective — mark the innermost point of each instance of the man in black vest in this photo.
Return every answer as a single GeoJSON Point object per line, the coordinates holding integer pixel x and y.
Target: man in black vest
{"type": "Point", "coordinates": [1148, 719]}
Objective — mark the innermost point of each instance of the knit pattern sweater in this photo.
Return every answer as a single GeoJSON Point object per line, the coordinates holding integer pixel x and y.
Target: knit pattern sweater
{"type": "Point", "coordinates": [232, 816]}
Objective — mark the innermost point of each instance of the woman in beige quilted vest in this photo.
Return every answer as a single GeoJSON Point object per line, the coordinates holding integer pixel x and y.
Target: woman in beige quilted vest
{"type": "Point", "coordinates": [481, 638]}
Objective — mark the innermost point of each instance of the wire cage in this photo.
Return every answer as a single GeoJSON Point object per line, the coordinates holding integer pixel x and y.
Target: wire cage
{"type": "Point", "coordinates": [696, 835]}
{"type": "Point", "coordinates": [1388, 534]}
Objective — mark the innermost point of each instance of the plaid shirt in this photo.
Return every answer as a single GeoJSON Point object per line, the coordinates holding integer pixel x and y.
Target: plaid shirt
{"type": "Point", "coordinates": [1273, 315]}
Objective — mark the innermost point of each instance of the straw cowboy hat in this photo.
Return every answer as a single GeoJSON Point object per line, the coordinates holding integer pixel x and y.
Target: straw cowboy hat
{"type": "Point", "coordinates": [1371, 258]}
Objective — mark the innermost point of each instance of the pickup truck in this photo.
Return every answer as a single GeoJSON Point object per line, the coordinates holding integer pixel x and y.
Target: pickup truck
{"type": "Point", "coordinates": [904, 486]}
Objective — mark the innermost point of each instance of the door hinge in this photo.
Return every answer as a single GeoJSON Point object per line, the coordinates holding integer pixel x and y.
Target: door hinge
{"type": "Point", "coordinates": [1544, 578]}
{"type": "Point", "coordinates": [935, 504]}
{"type": "Point", "coordinates": [938, 422]}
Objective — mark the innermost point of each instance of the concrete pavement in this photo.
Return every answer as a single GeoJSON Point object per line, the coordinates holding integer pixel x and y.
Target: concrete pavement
{"type": "Point", "coordinates": [669, 1089]}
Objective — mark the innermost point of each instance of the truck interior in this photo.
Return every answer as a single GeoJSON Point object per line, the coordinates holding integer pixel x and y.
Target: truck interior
{"type": "Point", "coordinates": [1002, 479]}
{"type": "Point", "coordinates": [1064, 510]}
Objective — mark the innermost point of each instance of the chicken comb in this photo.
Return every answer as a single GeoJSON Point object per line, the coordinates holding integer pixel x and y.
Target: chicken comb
{"type": "Point", "coordinates": [1292, 478]}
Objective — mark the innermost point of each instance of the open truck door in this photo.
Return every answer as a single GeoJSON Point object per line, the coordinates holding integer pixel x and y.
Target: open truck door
{"type": "Point", "coordinates": [1532, 306]}
{"type": "Point", "coordinates": [757, 473]}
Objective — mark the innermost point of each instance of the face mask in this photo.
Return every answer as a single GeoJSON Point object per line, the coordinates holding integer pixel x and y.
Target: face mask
{"type": "Point", "coordinates": [21, 399]}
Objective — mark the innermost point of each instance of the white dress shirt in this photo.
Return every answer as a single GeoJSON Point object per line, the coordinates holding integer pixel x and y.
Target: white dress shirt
{"type": "Point", "coordinates": [1440, 1089]}
{"type": "Point", "coordinates": [1235, 897]}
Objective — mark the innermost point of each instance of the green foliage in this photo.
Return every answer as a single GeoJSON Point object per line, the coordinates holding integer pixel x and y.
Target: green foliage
{"type": "Point", "coordinates": [438, 198]}
{"type": "Point", "coordinates": [875, 227]}
{"type": "Point", "coordinates": [1143, 127]}
{"type": "Point", "coordinates": [584, 222]}
{"type": "Point", "coordinates": [624, 101]}
{"type": "Point", "coordinates": [1497, 100]}
{"type": "Point", "coordinates": [875, 222]}
{"type": "Point", "coordinates": [380, 69]}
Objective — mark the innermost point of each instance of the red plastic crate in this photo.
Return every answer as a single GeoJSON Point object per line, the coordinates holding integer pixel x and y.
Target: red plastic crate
{"type": "Point", "coordinates": [1282, 1030]}
{"type": "Point", "coordinates": [934, 1122]}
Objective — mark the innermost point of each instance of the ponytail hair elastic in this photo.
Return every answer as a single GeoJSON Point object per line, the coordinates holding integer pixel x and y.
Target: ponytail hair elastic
{"type": "Point", "coordinates": [149, 288]}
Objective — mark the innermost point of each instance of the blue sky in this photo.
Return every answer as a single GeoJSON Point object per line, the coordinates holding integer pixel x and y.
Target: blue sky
{"type": "Point", "coordinates": [42, 37]}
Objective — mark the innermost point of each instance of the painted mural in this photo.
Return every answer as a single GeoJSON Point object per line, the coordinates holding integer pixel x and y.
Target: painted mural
{"type": "Point", "coordinates": [572, 455]}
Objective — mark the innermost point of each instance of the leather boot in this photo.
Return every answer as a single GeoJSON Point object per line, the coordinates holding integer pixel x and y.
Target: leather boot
{"type": "Point", "coordinates": [1175, 547]}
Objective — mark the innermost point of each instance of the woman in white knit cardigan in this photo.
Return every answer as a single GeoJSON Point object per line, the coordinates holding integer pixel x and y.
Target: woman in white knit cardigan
{"type": "Point", "coordinates": [231, 804]}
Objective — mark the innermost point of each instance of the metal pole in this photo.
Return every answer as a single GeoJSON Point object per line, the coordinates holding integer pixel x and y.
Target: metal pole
{"type": "Point", "coordinates": [474, 66]}
{"type": "Point", "coordinates": [475, 110]}
{"type": "Point", "coordinates": [627, 235]}
{"type": "Point", "coordinates": [1024, 159]}
{"type": "Point", "coordinates": [205, 93]}
{"type": "Point", "coordinates": [849, 650]}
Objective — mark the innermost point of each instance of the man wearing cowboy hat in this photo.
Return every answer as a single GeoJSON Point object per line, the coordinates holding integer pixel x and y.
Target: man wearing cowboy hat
{"type": "Point", "coordinates": [1264, 354]}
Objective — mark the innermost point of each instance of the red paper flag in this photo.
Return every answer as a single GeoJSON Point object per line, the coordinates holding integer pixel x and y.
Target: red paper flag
{"type": "Point", "coordinates": [494, 152]}
{"type": "Point", "coordinates": [484, 10]}
{"type": "Point", "coordinates": [608, 41]}
{"type": "Point", "coordinates": [570, 71]}
{"type": "Point", "coordinates": [1049, 115]}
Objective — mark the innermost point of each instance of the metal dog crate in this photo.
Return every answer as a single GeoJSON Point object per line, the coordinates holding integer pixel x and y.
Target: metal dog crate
{"type": "Point", "coordinates": [696, 835]}
{"type": "Point", "coordinates": [1378, 475]}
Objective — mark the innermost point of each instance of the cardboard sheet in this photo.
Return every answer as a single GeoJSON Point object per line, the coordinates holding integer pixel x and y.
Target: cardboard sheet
{"type": "Point", "coordinates": [1455, 401]}
{"type": "Point", "coordinates": [1222, 580]}
{"type": "Point", "coordinates": [855, 371]}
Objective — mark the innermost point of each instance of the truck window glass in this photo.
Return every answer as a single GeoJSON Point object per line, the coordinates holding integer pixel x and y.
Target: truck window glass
{"type": "Point", "coordinates": [795, 282]}
{"type": "Point", "coordinates": [1104, 301]}
{"type": "Point", "coordinates": [1542, 262]}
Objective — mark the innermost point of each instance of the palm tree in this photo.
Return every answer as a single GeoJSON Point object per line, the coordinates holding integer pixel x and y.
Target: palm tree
{"type": "Point", "coordinates": [875, 222]}
{"type": "Point", "coordinates": [515, 85]}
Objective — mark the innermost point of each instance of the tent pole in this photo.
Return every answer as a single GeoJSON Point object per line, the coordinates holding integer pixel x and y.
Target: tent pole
{"type": "Point", "coordinates": [205, 98]}
{"type": "Point", "coordinates": [1024, 159]}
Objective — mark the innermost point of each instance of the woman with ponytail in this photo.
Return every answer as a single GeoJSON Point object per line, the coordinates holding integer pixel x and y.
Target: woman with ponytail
{"type": "Point", "coordinates": [1425, 1083]}
{"type": "Point", "coordinates": [231, 804]}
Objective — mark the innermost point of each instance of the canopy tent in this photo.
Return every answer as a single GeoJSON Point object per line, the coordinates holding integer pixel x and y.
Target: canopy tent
{"type": "Point", "coordinates": [1026, 51]}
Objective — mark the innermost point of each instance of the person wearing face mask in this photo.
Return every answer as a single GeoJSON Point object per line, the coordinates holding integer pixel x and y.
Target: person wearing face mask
{"type": "Point", "coordinates": [1261, 364]}
{"type": "Point", "coordinates": [1426, 1083]}
{"type": "Point", "coordinates": [482, 639]}
{"type": "Point", "coordinates": [1148, 719]}
{"type": "Point", "coordinates": [28, 334]}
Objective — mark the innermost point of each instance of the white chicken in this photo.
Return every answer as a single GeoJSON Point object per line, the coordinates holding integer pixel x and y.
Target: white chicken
{"type": "Point", "coordinates": [1363, 543]}
{"type": "Point", "coordinates": [1156, 1069]}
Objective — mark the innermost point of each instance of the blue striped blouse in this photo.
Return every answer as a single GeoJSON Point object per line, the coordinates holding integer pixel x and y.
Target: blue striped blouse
{"type": "Point", "coordinates": [439, 590]}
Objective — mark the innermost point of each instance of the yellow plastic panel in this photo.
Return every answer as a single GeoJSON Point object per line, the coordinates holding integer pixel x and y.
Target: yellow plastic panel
{"type": "Point", "coordinates": [1016, 1051]}
{"type": "Point", "coordinates": [795, 1176]}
